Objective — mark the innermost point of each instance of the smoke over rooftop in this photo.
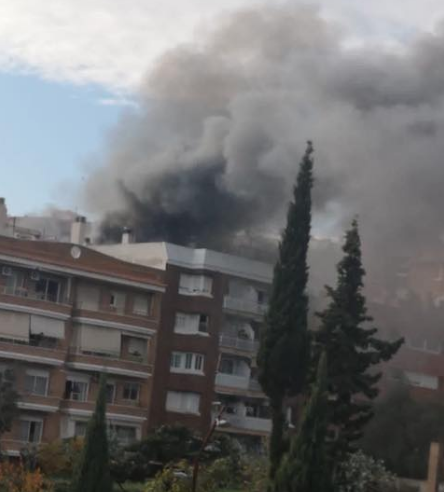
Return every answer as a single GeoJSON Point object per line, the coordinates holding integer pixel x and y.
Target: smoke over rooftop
{"type": "Point", "coordinates": [213, 149]}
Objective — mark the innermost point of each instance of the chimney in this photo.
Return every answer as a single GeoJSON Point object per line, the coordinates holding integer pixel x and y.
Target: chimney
{"type": "Point", "coordinates": [127, 236]}
{"type": "Point", "coordinates": [3, 216]}
{"type": "Point", "coordinates": [78, 230]}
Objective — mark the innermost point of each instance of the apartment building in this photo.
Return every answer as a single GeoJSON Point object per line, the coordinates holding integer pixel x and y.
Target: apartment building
{"type": "Point", "coordinates": [67, 314]}
{"type": "Point", "coordinates": [212, 311]}
{"type": "Point", "coordinates": [408, 301]}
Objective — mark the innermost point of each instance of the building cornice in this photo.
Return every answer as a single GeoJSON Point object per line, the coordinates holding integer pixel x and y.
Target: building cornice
{"type": "Point", "coordinates": [81, 366]}
{"type": "Point", "coordinates": [82, 273]}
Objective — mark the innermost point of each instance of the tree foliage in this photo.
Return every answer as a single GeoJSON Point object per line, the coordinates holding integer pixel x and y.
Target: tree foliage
{"type": "Point", "coordinates": [93, 474]}
{"type": "Point", "coordinates": [305, 468]}
{"type": "Point", "coordinates": [365, 474]}
{"type": "Point", "coordinates": [14, 477]}
{"type": "Point", "coordinates": [59, 458]}
{"type": "Point", "coordinates": [283, 356]}
{"type": "Point", "coordinates": [353, 349]}
{"type": "Point", "coordinates": [166, 445]}
{"type": "Point", "coordinates": [8, 401]}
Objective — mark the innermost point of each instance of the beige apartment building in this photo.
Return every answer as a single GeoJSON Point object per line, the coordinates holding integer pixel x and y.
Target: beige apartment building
{"type": "Point", "coordinates": [67, 314]}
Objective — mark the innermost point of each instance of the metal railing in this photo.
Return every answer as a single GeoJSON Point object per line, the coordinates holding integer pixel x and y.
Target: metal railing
{"type": "Point", "coordinates": [29, 343]}
{"type": "Point", "coordinates": [232, 380]}
{"type": "Point", "coordinates": [254, 385]}
{"type": "Point", "coordinates": [238, 343]}
{"type": "Point", "coordinates": [142, 359]}
{"type": "Point", "coordinates": [249, 423]}
{"type": "Point", "coordinates": [244, 305]}
{"type": "Point", "coordinates": [32, 294]}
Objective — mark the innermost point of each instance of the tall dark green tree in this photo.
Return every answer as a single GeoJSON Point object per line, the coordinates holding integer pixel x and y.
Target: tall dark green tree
{"type": "Point", "coordinates": [93, 473]}
{"type": "Point", "coordinates": [8, 401]}
{"type": "Point", "coordinates": [305, 468]}
{"type": "Point", "coordinates": [353, 350]}
{"type": "Point", "coordinates": [284, 350]}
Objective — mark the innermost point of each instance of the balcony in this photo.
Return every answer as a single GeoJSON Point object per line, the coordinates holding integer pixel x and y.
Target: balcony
{"type": "Point", "coordinates": [238, 343]}
{"type": "Point", "coordinates": [252, 424]}
{"type": "Point", "coordinates": [34, 300]}
{"type": "Point", "coordinates": [85, 310]}
{"type": "Point", "coordinates": [113, 363]}
{"type": "Point", "coordinates": [254, 385]}
{"type": "Point", "coordinates": [245, 306]}
{"type": "Point", "coordinates": [32, 294]}
{"type": "Point", "coordinates": [30, 351]}
{"type": "Point", "coordinates": [232, 381]}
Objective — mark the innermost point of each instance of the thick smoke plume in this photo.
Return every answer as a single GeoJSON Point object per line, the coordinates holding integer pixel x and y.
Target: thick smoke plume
{"type": "Point", "coordinates": [213, 149]}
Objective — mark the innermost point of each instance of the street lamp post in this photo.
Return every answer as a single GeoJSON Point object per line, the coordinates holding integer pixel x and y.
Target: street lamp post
{"type": "Point", "coordinates": [217, 422]}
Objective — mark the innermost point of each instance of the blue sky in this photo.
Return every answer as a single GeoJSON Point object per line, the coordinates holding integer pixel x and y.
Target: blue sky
{"type": "Point", "coordinates": [48, 130]}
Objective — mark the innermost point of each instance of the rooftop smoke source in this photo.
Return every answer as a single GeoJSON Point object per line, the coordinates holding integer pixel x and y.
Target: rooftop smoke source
{"type": "Point", "coordinates": [222, 124]}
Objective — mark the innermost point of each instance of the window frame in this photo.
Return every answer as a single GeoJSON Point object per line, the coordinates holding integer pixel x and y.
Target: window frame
{"type": "Point", "coordinates": [30, 421]}
{"type": "Point", "coordinates": [73, 380]}
{"type": "Point", "coordinates": [36, 374]}
{"type": "Point", "coordinates": [132, 387]}
{"type": "Point", "coordinates": [187, 363]}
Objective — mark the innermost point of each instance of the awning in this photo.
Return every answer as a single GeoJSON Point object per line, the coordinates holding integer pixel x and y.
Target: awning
{"type": "Point", "coordinates": [100, 340]}
{"type": "Point", "coordinates": [49, 327]}
{"type": "Point", "coordinates": [14, 325]}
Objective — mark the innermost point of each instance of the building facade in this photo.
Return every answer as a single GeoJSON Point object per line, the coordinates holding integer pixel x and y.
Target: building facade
{"type": "Point", "coordinates": [68, 314]}
{"type": "Point", "coordinates": [212, 311]}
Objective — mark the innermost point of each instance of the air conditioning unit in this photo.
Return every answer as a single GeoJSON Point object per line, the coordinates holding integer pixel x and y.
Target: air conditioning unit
{"type": "Point", "coordinates": [35, 275]}
{"type": "Point", "coordinates": [6, 271]}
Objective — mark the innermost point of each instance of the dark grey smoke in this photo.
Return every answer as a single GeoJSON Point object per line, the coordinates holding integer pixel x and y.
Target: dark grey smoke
{"type": "Point", "coordinates": [213, 149]}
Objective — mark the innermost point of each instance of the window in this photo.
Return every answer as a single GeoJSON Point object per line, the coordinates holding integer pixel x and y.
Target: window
{"type": "Point", "coordinates": [187, 362]}
{"type": "Point", "coordinates": [80, 428]}
{"type": "Point", "coordinates": [137, 348]}
{"type": "Point", "coordinates": [31, 430]}
{"type": "Point", "coordinates": [195, 284]}
{"type": "Point", "coordinates": [110, 392]}
{"type": "Point", "coordinates": [123, 433]}
{"type": "Point", "coordinates": [203, 323]}
{"type": "Point", "coordinates": [131, 391]}
{"type": "Point", "coordinates": [142, 305]}
{"type": "Point", "coordinates": [262, 297]}
{"type": "Point", "coordinates": [36, 383]}
{"type": "Point", "coordinates": [117, 301]}
{"type": "Point", "coordinates": [76, 390]}
{"type": "Point", "coordinates": [191, 324]}
{"type": "Point", "coordinates": [47, 289]}
{"type": "Point", "coordinates": [183, 402]}
{"type": "Point", "coordinates": [226, 366]}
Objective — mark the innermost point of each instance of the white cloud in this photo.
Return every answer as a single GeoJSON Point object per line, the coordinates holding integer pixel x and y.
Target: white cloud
{"type": "Point", "coordinates": [113, 42]}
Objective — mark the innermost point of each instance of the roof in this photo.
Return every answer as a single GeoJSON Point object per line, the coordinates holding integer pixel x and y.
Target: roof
{"type": "Point", "coordinates": [159, 255]}
{"type": "Point", "coordinates": [78, 261]}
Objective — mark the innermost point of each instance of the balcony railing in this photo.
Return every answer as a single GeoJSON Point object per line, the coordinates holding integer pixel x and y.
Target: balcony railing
{"type": "Point", "coordinates": [238, 343]}
{"type": "Point", "coordinates": [248, 423]}
{"type": "Point", "coordinates": [32, 294]}
{"type": "Point", "coordinates": [108, 355]}
{"type": "Point", "coordinates": [244, 306]}
{"type": "Point", "coordinates": [232, 381]}
{"type": "Point", "coordinates": [28, 342]}
{"type": "Point", "coordinates": [254, 385]}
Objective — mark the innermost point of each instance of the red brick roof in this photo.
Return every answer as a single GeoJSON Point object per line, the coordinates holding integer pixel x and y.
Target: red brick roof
{"type": "Point", "coordinates": [59, 254]}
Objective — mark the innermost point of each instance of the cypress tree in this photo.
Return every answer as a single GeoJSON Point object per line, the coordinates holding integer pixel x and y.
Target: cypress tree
{"type": "Point", "coordinates": [305, 468]}
{"type": "Point", "coordinates": [353, 349]}
{"type": "Point", "coordinates": [93, 474]}
{"type": "Point", "coordinates": [284, 350]}
{"type": "Point", "coordinates": [8, 401]}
